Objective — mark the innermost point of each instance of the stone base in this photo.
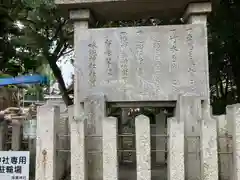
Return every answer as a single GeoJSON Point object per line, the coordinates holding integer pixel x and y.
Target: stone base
{"type": "Point", "coordinates": [128, 172]}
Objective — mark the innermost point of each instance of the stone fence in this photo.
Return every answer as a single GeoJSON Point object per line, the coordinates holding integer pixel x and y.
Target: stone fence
{"type": "Point", "coordinates": [213, 155]}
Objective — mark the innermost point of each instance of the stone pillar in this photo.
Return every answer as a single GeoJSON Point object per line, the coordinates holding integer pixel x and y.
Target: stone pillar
{"type": "Point", "coordinates": [209, 154]}
{"type": "Point", "coordinates": [78, 146]}
{"type": "Point", "coordinates": [196, 13]}
{"type": "Point", "coordinates": [47, 119]}
{"type": "Point", "coordinates": [95, 109]}
{"type": "Point", "coordinates": [190, 113]}
{"type": "Point", "coordinates": [79, 163]}
{"type": "Point", "coordinates": [229, 118]}
{"type": "Point", "coordinates": [81, 19]}
{"type": "Point", "coordinates": [160, 140]}
{"type": "Point", "coordinates": [223, 141]}
{"type": "Point", "coordinates": [175, 149]}
{"type": "Point", "coordinates": [109, 141]}
{"type": "Point", "coordinates": [143, 147]}
{"type": "Point", "coordinates": [16, 135]}
{"type": "Point", "coordinates": [235, 121]}
{"type": "Point", "coordinates": [3, 131]}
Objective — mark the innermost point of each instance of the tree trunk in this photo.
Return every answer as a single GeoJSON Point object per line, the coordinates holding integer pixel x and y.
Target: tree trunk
{"type": "Point", "coordinates": [58, 75]}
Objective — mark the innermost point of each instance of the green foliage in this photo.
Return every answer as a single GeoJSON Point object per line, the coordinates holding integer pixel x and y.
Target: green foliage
{"type": "Point", "coordinates": [49, 35]}
{"type": "Point", "coordinates": [43, 38]}
{"type": "Point", "coordinates": [224, 62]}
{"type": "Point", "coordinates": [8, 14]}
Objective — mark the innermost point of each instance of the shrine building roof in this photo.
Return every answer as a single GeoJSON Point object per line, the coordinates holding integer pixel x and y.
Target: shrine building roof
{"type": "Point", "coordinates": [129, 9]}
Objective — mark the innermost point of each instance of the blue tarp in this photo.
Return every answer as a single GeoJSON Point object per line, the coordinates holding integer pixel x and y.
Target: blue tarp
{"type": "Point", "coordinates": [33, 79]}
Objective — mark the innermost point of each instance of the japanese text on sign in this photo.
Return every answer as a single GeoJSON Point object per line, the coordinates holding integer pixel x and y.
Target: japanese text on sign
{"type": "Point", "coordinates": [14, 165]}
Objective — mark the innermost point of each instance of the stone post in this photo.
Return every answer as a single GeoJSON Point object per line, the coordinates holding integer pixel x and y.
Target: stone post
{"type": "Point", "coordinates": [143, 147]}
{"type": "Point", "coordinates": [190, 113]}
{"type": "Point", "coordinates": [160, 141]}
{"type": "Point", "coordinates": [208, 139]}
{"type": "Point", "coordinates": [109, 141]}
{"type": "Point", "coordinates": [47, 119]}
{"type": "Point", "coordinates": [3, 130]}
{"type": "Point", "coordinates": [79, 163]}
{"type": "Point", "coordinates": [229, 118]}
{"type": "Point", "coordinates": [175, 149]}
{"type": "Point", "coordinates": [223, 141]}
{"type": "Point", "coordinates": [16, 135]}
{"type": "Point", "coordinates": [78, 145]}
{"type": "Point", "coordinates": [176, 163]}
{"type": "Point", "coordinates": [235, 121]}
{"type": "Point", "coordinates": [95, 109]}
{"type": "Point", "coordinates": [196, 13]}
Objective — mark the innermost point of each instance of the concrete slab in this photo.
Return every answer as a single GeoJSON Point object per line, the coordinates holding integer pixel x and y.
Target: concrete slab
{"type": "Point", "coordinates": [129, 9]}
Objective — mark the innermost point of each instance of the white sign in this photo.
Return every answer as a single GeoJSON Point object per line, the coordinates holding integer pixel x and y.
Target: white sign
{"type": "Point", "coordinates": [14, 165]}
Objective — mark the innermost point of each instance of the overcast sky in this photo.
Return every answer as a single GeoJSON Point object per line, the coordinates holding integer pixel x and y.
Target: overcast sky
{"type": "Point", "coordinates": [67, 71]}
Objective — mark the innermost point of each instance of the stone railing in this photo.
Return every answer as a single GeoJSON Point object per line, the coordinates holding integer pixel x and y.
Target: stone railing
{"type": "Point", "coordinates": [215, 138]}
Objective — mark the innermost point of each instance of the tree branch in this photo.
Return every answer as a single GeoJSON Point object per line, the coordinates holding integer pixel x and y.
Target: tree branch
{"type": "Point", "coordinates": [64, 48]}
{"type": "Point", "coordinates": [61, 24]}
{"type": "Point", "coordinates": [63, 54]}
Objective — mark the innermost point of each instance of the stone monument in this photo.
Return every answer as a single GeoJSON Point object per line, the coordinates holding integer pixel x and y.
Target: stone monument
{"type": "Point", "coordinates": [157, 65]}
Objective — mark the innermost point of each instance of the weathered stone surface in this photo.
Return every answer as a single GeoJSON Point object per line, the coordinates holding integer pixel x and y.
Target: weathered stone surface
{"type": "Point", "coordinates": [196, 13]}
{"type": "Point", "coordinates": [16, 135]}
{"type": "Point", "coordinates": [236, 141]}
{"type": "Point", "coordinates": [131, 64]}
{"type": "Point", "coordinates": [47, 118]}
{"type": "Point", "coordinates": [62, 129]}
{"type": "Point", "coordinates": [230, 117]}
{"type": "Point", "coordinates": [143, 147]}
{"type": "Point", "coordinates": [110, 159]}
{"type": "Point", "coordinates": [190, 113]}
{"type": "Point", "coordinates": [225, 158]}
{"type": "Point", "coordinates": [176, 149]}
{"type": "Point", "coordinates": [95, 110]}
{"type": "Point", "coordinates": [208, 138]}
{"type": "Point", "coordinates": [131, 9]}
{"type": "Point", "coordinates": [78, 127]}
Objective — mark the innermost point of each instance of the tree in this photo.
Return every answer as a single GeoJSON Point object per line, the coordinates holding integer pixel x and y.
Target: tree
{"type": "Point", "coordinates": [224, 34]}
{"type": "Point", "coordinates": [48, 35]}
{"type": "Point", "coordinates": [8, 14]}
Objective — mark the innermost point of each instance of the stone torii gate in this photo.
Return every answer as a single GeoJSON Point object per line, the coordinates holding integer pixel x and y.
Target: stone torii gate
{"type": "Point", "coordinates": [164, 66]}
